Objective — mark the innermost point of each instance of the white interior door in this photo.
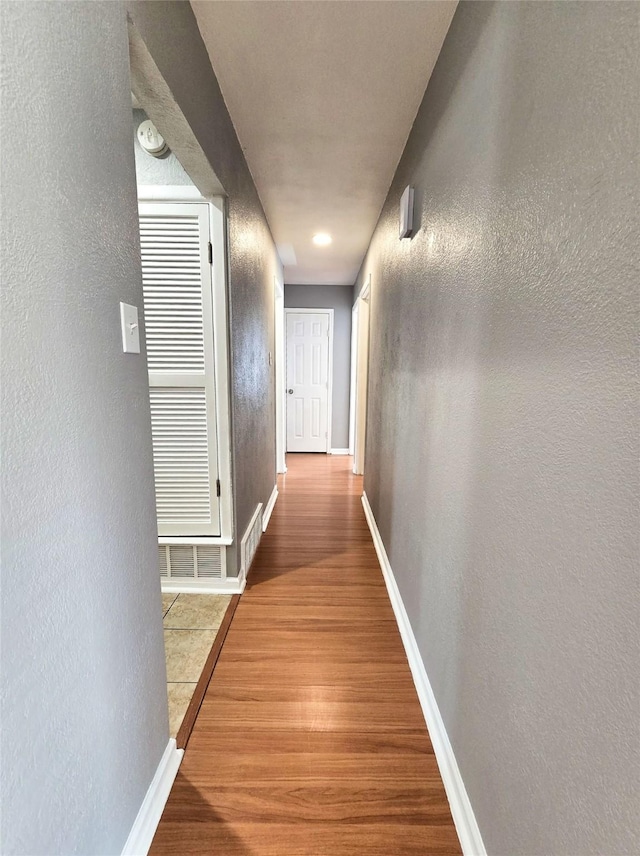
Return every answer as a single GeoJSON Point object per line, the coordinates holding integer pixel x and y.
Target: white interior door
{"type": "Point", "coordinates": [177, 286]}
{"type": "Point", "coordinates": [308, 339]}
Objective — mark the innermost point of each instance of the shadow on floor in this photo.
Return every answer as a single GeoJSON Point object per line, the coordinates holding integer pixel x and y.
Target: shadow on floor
{"type": "Point", "coordinates": [187, 817]}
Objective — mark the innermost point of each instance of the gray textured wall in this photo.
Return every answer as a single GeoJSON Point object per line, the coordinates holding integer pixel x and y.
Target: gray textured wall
{"type": "Point", "coordinates": [163, 171]}
{"type": "Point", "coordinates": [340, 299]}
{"type": "Point", "coordinates": [84, 705]}
{"type": "Point", "coordinates": [502, 447]}
{"type": "Point", "coordinates": [171, 36]}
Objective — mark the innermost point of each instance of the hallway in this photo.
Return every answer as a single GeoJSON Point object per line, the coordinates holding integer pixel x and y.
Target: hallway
{"type": "Point", "coordinates": [311, 739]}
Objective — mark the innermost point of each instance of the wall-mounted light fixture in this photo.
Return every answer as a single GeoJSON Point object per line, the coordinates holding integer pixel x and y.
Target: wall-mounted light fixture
{"type": "Point", "coordinates": [406, 213]}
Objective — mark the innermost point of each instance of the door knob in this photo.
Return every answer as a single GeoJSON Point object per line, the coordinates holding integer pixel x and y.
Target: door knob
{"type": "Point", "coordinates": [290, 391]}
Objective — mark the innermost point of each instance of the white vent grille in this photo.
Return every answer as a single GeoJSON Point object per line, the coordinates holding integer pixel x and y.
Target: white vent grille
{"type": "Point", "coordinates": [182, 561]}
{"type": "Point", "coordinates": [209, 562]}
{"type": "Point", "coordinates": [190, 561]}
{"type": "Point", "coordinates": [163, 562]}
{"type": "Point", "coordinates": [181, 454]}
{"type": "Point", "coordinates": [251, 539]}
{"type": "Point", "coordinates": [171, 249]}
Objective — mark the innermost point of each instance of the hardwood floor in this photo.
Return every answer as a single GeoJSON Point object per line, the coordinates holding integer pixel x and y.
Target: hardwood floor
{"type": "Point", "coordinates": [186, 727]}
{"type": "Point", "coordinates": [310, 740]}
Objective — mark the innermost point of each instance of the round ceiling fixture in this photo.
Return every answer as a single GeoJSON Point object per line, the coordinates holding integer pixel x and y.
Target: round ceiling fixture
{"type": "Point", "coordinates": [151, 139]}
{"type": "Point", "coordinates": [322, 239]}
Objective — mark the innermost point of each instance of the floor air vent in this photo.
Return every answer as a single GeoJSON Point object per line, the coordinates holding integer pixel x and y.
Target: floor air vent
{"type": "Point", "coordinates": [209, 562]}
{"type": "Point", "coordinates": [164, 564]}
{"type": "Point", "coordinates": [190, 562]}
{"type": "Point", "coordinates": [250, 540]}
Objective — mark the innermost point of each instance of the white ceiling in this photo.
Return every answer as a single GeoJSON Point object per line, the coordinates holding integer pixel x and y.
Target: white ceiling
{"type": "Point", "coordinates": [323, 95]}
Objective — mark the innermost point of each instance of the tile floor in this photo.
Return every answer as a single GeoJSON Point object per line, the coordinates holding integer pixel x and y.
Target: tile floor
{"type": "Point", "coordinates": [191, 622]}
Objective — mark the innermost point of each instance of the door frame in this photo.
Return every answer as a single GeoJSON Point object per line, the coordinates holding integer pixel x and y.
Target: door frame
{"type": "Point", "coordinates": [360, 348]}
{"type": "Point", "coordinates": [308, 311]}
{"type": "Point", "coordinates": [280, 376]}
{"type": "Point", "coordinates": [218, 219]}
{"type": "Point", "coordinates": [353, 379]}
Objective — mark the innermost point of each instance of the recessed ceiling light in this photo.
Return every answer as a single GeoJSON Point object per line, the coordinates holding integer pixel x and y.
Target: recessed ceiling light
{"type": "Point", "coordinates": [322, 239]}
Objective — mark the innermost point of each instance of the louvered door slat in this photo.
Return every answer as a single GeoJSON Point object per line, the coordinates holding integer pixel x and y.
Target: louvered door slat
{"type": "Point", "coordinates": [176, 278]}
{"type": "Point", "coordinates": [180, 349]}
{"type": "Point", "coordinates": [182, 487]}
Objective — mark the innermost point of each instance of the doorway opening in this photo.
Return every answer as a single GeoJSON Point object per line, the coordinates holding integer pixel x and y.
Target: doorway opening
{"type": "Point", "coordinates": [182, 231]}
{"type": "Point", "coordinates": [359, 377]}
{"type": "Point", "coordinates": [280, 377]}
{"type": "Point", "coordinates": [309, 379]}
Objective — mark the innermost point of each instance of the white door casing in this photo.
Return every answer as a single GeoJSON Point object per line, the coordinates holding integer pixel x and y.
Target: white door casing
{"type": "Point", "coordinates": [178, 309]}
{"type": "Point", "coordinates": [309, 346]}
{"type": "Point", "coordinates": [361, 377]}
{"type": "Point", "coordinates": [353, 378]}
{"type": "Point", "coordinates": [281, 392]}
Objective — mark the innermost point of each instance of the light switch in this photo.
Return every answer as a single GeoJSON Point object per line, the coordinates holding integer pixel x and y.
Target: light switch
{"type": "Point", "coordinates": [130, 329]}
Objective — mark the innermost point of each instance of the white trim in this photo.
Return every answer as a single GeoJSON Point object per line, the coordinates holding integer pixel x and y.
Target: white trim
{"type": "Point", "coordinates": [169, 193]}
{"type": "Point", "coordinates": [279, 376]}
{"type": "Point", "coordinates": [268, 509]}
{"type": "Point", "coordinates": [217, 224]}
{"type": "Point", "coordinates": [203, 540]}
{"type": "Point", "coordinates": [230, 585]}
{"type": "Point", "coordinates": [461, 809]}
{"type": "Point", "coordinates": [353, 378]}
{"type": "Point", "coordinates": [340, 451]}
{"type": "Point", "coordinates": [363, 325]}
{"type": "Point", "coordinates": [330, 312]}
{"type": "Point", "coordinates": [148, 817]}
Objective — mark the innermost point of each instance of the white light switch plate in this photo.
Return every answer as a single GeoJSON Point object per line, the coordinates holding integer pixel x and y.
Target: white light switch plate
{"type": "Point", "coordinates": [130, 329]}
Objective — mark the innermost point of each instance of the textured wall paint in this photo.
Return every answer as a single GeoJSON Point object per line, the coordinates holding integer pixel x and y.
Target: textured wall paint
{"type": "Point", "coordinates": [171, 35]}
{"type": "Point", "coordinates": [340, 299]}
{"type": "Point", "coordinates": [502, 449]}
{"type": "Point", "coordinates": [163, 171]}
{"type": "Point", "coordinates": [84, 705]}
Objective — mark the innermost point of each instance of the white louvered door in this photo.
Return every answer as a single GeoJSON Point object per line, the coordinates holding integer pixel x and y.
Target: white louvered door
{"type": "Point", "coordinates": [176, 278]}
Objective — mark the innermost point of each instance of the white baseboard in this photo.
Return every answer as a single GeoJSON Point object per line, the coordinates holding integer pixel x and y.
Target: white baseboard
{"type": "Point", "coordinates": [340, 452]}
{"type": "Point", "coordinates": [266, 514]}
{"type": "Point", "coordinates": [148, 818]}
{"type": "Point", "coordinates": [230, 585]}
{"type": "Point", "coordinates": [461, 810]}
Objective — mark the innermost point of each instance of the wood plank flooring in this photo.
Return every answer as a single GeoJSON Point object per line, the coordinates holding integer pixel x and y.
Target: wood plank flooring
{"type": "Point", "coordinates": [186, 727]}
{"type": "Point", "coordinates": [310, 740]}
